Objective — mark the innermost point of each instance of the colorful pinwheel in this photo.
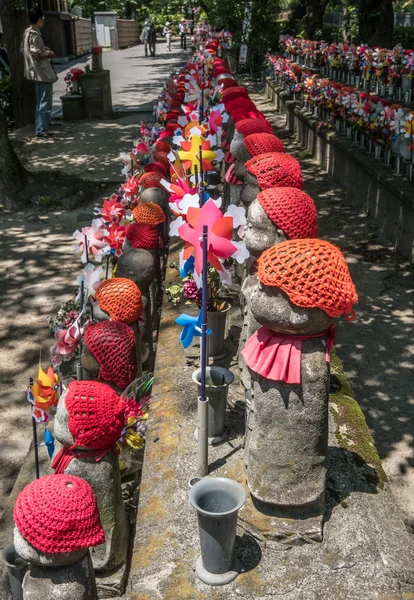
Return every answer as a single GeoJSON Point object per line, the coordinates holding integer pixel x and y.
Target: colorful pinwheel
{"type": "Point", "coordinates": [190, 154]}
{"type": "Point", "coordinates": [95, 238]}
{"type": "Point", "coordinates": [191, 328]}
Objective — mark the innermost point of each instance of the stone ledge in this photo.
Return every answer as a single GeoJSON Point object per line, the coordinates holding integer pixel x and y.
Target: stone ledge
{"type": "Point", "coordinates": [366, 551]}
{"type": "Point", "coordinates": [387, 197]}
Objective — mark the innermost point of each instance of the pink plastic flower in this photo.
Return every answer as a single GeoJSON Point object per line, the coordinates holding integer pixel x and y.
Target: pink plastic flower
{"type": "Point", "coordinates": [67, 343]}
{"type": "Point", "coordinates": [95, 238]}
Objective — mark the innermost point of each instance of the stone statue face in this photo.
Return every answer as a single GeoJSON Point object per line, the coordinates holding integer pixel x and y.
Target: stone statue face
{"type": "Point", "coordinates": [137, 265]}
{"type": "Point", "coordinates": [230, 130]}
{"type": "Point", "coordinates": [239, 167]}
{"type": "Point", "coordinates": [261, 233]}
{"type": "Point", "coordinates": [156, 196]}
{"type": "Point", "coordinates": [273, 309]}
{"type": "Point", "coordinates": [61, 426]}
{"type": "Point", "coordinates": [36, 557]}
{"type": "Point", "coordinates": [250, 189]}
{"type": "Point", "coordinates": [237, 145]}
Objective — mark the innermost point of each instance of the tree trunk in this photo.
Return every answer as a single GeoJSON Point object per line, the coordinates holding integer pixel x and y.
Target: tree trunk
{"type": "Point", "coordinates": [346, 22]}
{"type": "Point", "coordinates": [13, 16]}
{"type": "Point", "coordinates": [13, 175]}
{"type": "Point", "coordinates": [376, 22]}
{"type": "Point", "coordinates": [315, 10]}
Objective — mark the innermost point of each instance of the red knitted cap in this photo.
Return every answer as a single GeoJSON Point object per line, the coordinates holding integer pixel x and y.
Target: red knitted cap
{"type": "Point", "coordinates": [243, 113]}
{"type": "Point", "coordinates": [249, 126]}
{"type": "Point", "coordinates": [220, 69]}
{"type": "Point", "coordinates": [162, 157]}
{"type": "Point", "coordinates": [233, 92]}
{"type": "Point", "coordinates": [96, 414]}
{"type": "Point", "coordinates": [149, 213]}
{"type": "Point", "coordinates": [275, 169]}
{"type": "Point", "coordinates": [58, 514]}
{"type": "Point", "coordinates": [291, 210]}
{"type": "Point", "coordinates": [113, 346]}
{"type": "Point", "coordinates": [156, 167]}
{"type": "Point", "coordinates": [121, 299]}
{"type": "Point", "coordinates": [242, 102]}
{"type": "Point", "coordinates": [162, 146]}
{"type": "Point", "coordinates": [149, 180]}
{"type": "Point", "coordinates": [142, 235]}
{"type": "Point", "coordinates": [260, 143]}
{"type": "Point", "coordinates": [313, 273]}
{"type": "Point", "coordinates": [226, 84]}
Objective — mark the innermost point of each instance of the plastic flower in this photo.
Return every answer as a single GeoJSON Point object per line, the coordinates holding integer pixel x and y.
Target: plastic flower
{"type": "Point", "coordinates": [95, 238]}
{"type": "Point", "coordinates": [67, 343]}
{"type": "Point", "coordinates": [191, 291]}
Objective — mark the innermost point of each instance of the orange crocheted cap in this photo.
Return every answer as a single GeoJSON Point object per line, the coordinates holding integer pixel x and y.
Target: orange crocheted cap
{"type": "Point", "coordinates": [152, 179]}
{"type": "Point", "coordinates": [291, 210]}
{"type": "Point", "coordinates": [249, 126]}
{"type": "Point", "coordinates": [148, 213]}
{"type": "Point", "coordinates": [313, 273]}
{"type": "Point", "coordinates": [121, 299]}
{"type": "Point", "coordinates": [260, 143]}
{"type": "Point", "coordinates": [275, 169]}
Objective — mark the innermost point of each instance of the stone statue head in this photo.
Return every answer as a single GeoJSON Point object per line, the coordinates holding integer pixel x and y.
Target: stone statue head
{"type": "Point", "coordinates": [137, 264]}
{"type": "Point", "coordinates": [261, 232]}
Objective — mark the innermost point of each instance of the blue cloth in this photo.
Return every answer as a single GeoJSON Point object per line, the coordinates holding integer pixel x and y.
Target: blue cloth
{"type": "Point", "coordinates": [44, 102]}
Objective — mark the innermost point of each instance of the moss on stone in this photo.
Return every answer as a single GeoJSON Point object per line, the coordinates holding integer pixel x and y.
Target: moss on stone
{"type": "Point", "coordinates": [352, 431]}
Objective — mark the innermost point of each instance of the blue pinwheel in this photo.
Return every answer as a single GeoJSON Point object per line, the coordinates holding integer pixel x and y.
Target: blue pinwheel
{"type": "Point", "coordinates": [49, 443]}
{"type": "Point", "coordinates": [191, 328]}
{"type": "Point", "coordinates": [188, 267]}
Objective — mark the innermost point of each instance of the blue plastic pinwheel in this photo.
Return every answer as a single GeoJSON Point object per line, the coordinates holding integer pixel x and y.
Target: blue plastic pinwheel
{"type": "Point", "coordinates": [188, 267]}
{"type": "Point", "coordinates": [49, 443]}
{"type": "Point", "coordinates": [191, 328]}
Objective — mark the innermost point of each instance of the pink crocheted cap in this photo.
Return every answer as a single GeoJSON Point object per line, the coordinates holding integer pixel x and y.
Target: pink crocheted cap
{"type": "Point", "coordinates": [113, 346]}
{"type": "Point", "coordinates": [249, 126]}
{"type": "Point", "coordinates": [260, 143]}
{"type": "Point", "coordinates": [275, 169]}
{"type": "Point", "coordinates": [291, 210]}
{"type": "Point", "coordinates": [96, 414]}
{"type": "Point", "coordinates": [141, 235]}
{"type": "Point", "coordinates": [57, 514]}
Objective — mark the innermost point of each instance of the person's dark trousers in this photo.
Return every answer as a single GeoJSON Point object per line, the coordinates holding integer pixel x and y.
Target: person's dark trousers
{"type": "Point", "coordinates": [183, 41]}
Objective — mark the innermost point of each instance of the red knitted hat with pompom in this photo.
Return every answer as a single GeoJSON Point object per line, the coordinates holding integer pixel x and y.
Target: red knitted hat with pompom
{"type": "Point", "coordinates": [249, 126]}
{"type": "Point", "coordinates": [149, 213]}
{"type": "Point", "coordinates": [291, 210]}
{"type": "Point", "coordinates": [240, 114]}
{"type": "Point", "coordinates": [57, 514]}
{"type": "Point", "coordinates": [113, 346]}
{"type": "Point", "coordinates": [162, 146]}
{"type": "Point", "coordinates": [121, 298]}
{"type": "Point", "coordinates": [275, 169]}
{"type": "Point", "coordinates": [313, 273]}
{"type": "Point", "coordinates": [156, 167]}
{"type": "Point", "coordinates": [96, 414]}
{"type": "Point", "coordinates": [141, 235]}
{"type": "Point", "coordinates": [152, 179]}
{"type": "Point", "coordinates": [260, 143]}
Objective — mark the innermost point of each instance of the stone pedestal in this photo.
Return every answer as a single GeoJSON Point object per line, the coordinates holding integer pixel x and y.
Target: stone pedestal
{"type": "Point", "coordinates": [72, 107]}
{"type": "Point", "coordinates": [96, 92]}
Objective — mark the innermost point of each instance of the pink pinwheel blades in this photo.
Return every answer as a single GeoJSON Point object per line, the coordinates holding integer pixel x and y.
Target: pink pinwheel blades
{"type": "Point", "coordinates": [94, 236]}
{"type": "Point", "coordinates": [116, 237]}
{"type": "Point", "coordinates": [112, 211]}
{"type": "Point", "coordinates": [131, 187]}
{"type": "Point", "coordinates": [220, 232]}
{"type": "Point", "coordinates": [67, 341]}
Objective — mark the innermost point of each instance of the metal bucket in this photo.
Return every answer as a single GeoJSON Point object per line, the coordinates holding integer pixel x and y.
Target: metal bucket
{"type": "Point", "coordinates": [17, 568]}
{"type": "Point", "coordinates": [216, 321]}
{"type": "Point", "coordinates": [218, 380]}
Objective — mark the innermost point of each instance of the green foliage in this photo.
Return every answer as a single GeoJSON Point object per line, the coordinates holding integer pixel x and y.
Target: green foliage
{"type": "Point", "coordinates": [404, 36]}
{"type": "Point", "coordinates": [45, 202]}
{"type": "Point", "coordinates": [6, 95]}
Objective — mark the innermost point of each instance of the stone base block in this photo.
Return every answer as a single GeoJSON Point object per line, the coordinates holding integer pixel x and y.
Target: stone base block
{"type": "Point", "coordinates": [72, 107]}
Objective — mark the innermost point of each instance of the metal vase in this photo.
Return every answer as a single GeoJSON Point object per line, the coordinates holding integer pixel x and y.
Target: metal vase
{"type": "Point", "coordinates": [218, 380]}
{"type": "Point", "coordinates": [17, 568]}
{"type": "Point", "coordinates": [216, 321]}
{"type": "Point", "coordinates": [217, 501]}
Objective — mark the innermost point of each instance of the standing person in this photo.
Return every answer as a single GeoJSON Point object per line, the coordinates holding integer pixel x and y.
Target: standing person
{"type": "Point", "coordinates": [168, 34]}
{"type": "Point", "coordinates": [145, 36]}
{"type": "Point", "coordinates": [4, 58]}
{"type": "Point", "coordinates": [152, 39]}
{"type": "Point", "coordinates": [191, 25]}
{"type": "Point", "coordinates": [183, 34]}
{"type": "Point", "coordinates": [38, 68]}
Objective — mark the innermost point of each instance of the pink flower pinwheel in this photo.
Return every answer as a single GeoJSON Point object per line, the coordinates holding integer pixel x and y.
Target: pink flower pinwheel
{"type": "Point", "coordinates": [220, 232]}
{"type": "Point", "coordinates": [131, 187]}
{"type": "Point", "coordinates": [95, 238]}
{"type": "Point", "coordinates": [67, 341]}
{"type": "Point", "coordinates": [91, 280]}
{"type": "Point", "coordinates": [112, 211]}
{"type": "Point", "coordinates": [116, 237]}
{"type": "Point", "coordinates": [215, 121]}
{"type": "Point", "coordinates": [178, 190]}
